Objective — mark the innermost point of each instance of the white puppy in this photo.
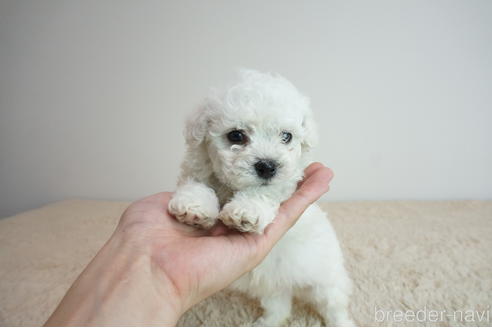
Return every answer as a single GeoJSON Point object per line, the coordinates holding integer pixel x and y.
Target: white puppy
{"type": "Point", "coordinates": [247, 150]}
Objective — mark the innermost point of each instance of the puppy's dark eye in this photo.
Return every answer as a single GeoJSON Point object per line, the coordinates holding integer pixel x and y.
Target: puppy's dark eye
{"type": "Point", "coordinates": [237, 137]}
{"type": "Point", "coordinates": [286, 137]}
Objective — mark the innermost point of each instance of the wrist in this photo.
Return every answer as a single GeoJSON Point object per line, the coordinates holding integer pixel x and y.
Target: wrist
{"type": "Point", "coordinates": [152, 298]}
{"type": "Point", "coordinates": [119, 287]}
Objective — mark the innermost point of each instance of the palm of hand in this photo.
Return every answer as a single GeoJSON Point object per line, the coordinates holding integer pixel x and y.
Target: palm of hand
{"type": "Point", "coordinates": [198, 263]}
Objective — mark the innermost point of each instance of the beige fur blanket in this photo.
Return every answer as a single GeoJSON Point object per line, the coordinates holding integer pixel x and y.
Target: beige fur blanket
{"type": "Point", "coordinates": [432, 259]}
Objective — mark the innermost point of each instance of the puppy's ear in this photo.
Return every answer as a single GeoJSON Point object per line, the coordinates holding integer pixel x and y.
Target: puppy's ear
{"type": "Point", "coordinates": [197, 165]}
{"type": "Point", "coordinates": [197, 126]}
{"type": "Point", "coordinates": [310, 132]}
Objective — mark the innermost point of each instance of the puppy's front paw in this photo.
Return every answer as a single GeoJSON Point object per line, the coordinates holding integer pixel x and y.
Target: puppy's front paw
{"type": "Point", "coordinates": [195, 205]}
{"type": "Point", "coordinates": [248, 215]}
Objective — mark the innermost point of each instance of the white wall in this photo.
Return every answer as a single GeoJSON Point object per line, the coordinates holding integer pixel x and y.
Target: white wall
{"type": "Point", "coordinates": [93, 93]}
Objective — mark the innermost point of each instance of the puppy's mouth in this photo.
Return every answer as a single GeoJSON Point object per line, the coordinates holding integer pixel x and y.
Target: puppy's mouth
{"type": "Point", "coordinates": [261, 182]}
{"type": "Point", "coordinates": [267, 182]}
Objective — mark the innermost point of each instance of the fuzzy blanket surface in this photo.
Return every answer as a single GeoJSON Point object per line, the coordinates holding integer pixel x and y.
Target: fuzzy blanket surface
{"type": "Point", "coordinates": [404, 257]}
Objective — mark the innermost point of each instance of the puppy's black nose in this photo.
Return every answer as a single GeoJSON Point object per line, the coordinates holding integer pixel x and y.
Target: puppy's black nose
{"type": "Point", "coordinates": [266, 169]}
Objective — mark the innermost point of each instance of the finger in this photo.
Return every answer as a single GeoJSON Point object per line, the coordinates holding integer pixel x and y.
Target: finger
{"type": "Point", "coordinates": [315, 185]}
{"type": "Point", "coordinates": [160, 198]}
{"type": "Point", "coordinates": [158, 201]}
{"type": "Point", "coordinates": [154, 203]}
{"type": "Point", "coordinates": [312, 168]}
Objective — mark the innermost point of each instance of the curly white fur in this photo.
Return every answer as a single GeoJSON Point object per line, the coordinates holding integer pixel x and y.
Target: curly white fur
{"type": "Point", "coordinates": [219, 182]}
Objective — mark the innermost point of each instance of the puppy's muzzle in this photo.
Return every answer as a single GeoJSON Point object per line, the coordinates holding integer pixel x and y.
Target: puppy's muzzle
{"type": "Point", "coordinates": [266, 169]}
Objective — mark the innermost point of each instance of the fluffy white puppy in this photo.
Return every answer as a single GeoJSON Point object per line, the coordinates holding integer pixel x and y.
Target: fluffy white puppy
{"type": "Point", "coordinates": [247, 148]}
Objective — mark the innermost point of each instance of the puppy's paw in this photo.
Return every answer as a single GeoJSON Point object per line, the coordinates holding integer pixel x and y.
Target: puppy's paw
{"type": "Point", "coordinates": [248, 215]}
{"type": "Point", "coordinates": [196, 205]}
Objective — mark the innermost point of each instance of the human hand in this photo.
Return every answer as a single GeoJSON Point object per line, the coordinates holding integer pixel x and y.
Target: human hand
{"type": "Point", "coordinates": [163, 267]}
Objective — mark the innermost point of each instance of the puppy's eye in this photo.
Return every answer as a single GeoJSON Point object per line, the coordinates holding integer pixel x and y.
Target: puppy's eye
{"type": "Point", "coordinates": [237, 137]}
{"type": "Point", "coordinates": [286, 137]}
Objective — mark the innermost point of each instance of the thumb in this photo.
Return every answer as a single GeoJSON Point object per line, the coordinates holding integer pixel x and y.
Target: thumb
{"type": "Point", "coordinates": [314, 185]}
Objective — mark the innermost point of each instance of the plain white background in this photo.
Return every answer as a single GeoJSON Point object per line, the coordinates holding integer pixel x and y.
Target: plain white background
{"type": "Point", "coordinates": [93, 94]}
